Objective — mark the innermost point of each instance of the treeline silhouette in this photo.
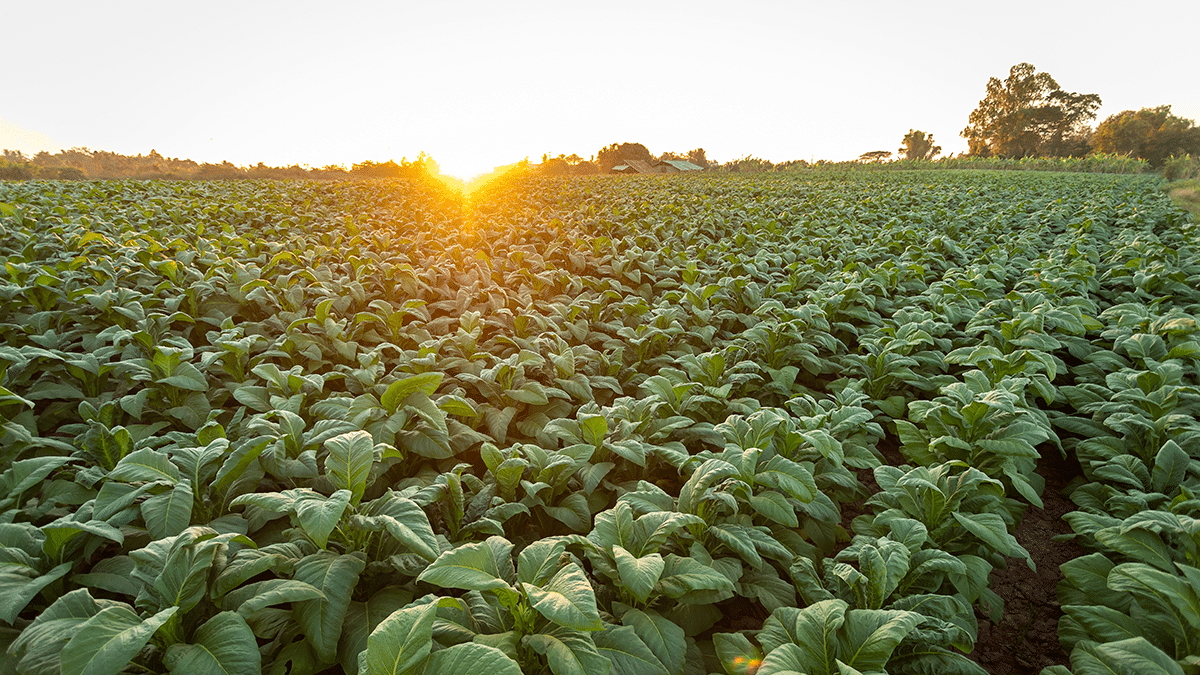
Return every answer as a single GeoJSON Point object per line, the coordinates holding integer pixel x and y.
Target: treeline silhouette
{"type": "Point", "coordinates": [82, 164]}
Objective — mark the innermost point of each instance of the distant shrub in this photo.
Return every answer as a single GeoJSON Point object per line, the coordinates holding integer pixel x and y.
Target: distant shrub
{"type": "Point", "coordinates": [1180, 168]}
{"type": "Point", "coordinates": [61, 173]}
{"type": "Point", "coordinates": [14, 171]}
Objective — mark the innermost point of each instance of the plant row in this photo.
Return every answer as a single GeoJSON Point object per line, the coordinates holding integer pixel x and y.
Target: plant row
{"type": "Point", "coordinates": [584, 426]}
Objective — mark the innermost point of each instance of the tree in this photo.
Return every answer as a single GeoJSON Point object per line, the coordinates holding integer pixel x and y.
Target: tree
{"type": "Point", "coordinates": [874, 156]}
{"type": "Point", "coordinates": [698, 158]}
{"type": "Point", "coordinates": [1152, 134]}
{"type": "Point", "coordinates": [1026, 115]}
{"type": "Point", "coordinates": [615, 154]}
{"type": "Point", "coordinates": [918, 145]}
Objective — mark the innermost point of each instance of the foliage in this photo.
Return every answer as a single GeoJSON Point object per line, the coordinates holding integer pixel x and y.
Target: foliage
{"type": "Point", "coordinates": [918, 146]}
{"type": "Point", "coordinates": [1026, 115]}
{"type": "Point", "coordinates": [1152, 134]}
{"type": "Point", "coordinates": [593, 426]}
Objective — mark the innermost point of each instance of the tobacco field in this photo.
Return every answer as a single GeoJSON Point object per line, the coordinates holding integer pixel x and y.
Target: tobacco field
{"type": "Point", "coordinates": [765, 424]}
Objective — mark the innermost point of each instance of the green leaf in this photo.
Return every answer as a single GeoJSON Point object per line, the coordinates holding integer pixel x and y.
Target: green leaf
{"type": "Point", "coordinates": [738, 656]}
{"type": "Point", "coordinates": [349, 462]}
{"type": "Point", "coordinates": [169, 513]}
{"type": "Point", "coordinates": [319, 515]}
{"type": "Point", "coordinates": [224, 645]}
{"type": "Point", "coordinates": [662, 636]}
{"type": "Point", "coordinates": [1135, 656]}
{"type": "Point", "coordinates": [683, 575]}
{"type": "Point", "coordinates": [539, 561]}
{"type": "Point", "coordinates": [871, 635]}
{"type": "Point", "coordinates": [1170, 467]}
{"type": "Point", "coordinates": [398, 391]}
{"type": "Point", "coordinates": [40, 643]}
{"type": "Point", "coordinates": [24, 474]}
{"type": "Point", "coordinates": [569, 652]}
{"type": "Point", "coordinates": [789, 477]}
{"type": "Point", "coordinates": [811, 633]}
{"type": "Point", "coordinates": [774, 506]}
{"type": "Point", "coordinates": [479, 566]}
{"type": "Point", "coordinates": [17, 590]}
{"type": "Point", "coordinates": [364, 617]}
{"type": "Point", "coordinates": [409, 525]}
{"type": "Point", "coordinates": [321, 620]}
{"type": "Point", "coordinates": [990, 529]}
{"type": "Point", "coordinates": [567, 600]}
{"type": "Point", "coordinates": [639, 575]}
{"type": "Point", "coordinates": [145, 466]}
{"type": "Point", "coordinates": [252, 597]}
{"type": "Point", "coordinates": [627, 653]}
{"type": "Point", "coordinates": [468, 658]}
{"type": "Point", "coordinates": [401, 641]}
{"type": "Point", "coordinates": [109, 640]}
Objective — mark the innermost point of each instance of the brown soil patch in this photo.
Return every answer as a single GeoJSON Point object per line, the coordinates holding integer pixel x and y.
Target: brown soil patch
{"type": "Point", "coordinates": [1026, 639]}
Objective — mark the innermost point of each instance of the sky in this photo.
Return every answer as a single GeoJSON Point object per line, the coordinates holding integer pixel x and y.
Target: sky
{"type": "Point", "coordinates": [482, 84]}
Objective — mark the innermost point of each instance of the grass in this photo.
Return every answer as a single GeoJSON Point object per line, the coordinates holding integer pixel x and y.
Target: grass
{"type": "Point", "coordinates": [1186, 193]}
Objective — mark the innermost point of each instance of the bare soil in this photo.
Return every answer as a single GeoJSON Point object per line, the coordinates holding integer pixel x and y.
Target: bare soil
{"type": "Point", "coordinates": [1026, 639]}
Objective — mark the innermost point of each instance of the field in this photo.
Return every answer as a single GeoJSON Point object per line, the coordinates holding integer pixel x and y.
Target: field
{"type": "Point", "coordinates": [820, 422]}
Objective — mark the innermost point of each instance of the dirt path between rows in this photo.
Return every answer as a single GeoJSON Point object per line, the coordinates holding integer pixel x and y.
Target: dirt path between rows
{"type": "Point", "coordinates": [1026, 639]}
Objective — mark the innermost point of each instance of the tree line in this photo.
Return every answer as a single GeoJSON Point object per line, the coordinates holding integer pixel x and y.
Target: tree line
{"type": "Point", "coordinates": [1028, 114]}
{"type": "Point", "coordinates": [1025, 115]}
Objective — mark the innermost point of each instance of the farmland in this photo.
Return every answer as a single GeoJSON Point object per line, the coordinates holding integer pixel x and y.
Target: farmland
{"type": "Point", "coordinates": [663, 425]}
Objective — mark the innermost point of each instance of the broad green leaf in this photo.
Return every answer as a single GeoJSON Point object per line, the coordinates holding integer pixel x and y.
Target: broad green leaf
{"type": "Point", "coordinates": [469, 658]}
{"type": "Point", "coordinates": [774, 506]}
{"type": "Point", "coordinates": [738, 656]}
{"type": "Point", "coordinates": [540, 560]}
{"type": "Point", "coordinates": [662, 636]}
{"type": "Point", "coordinates": [1170, 467]}
{"type": "Point", "coordinates": [349, 462]}
{"type": "Point", "coordinates": [17, 590]}
{"type": "Point", "coordinates": [169, 513]}
{"type": "Point", "coordinates": [400, 641]}
{"type": "Point", "coordinates": [145, 465]}
{"type": "Point", "coordinates": [791, 659]}
{"type": "Point", "coordinates": [321, 620]}
{"type": "Point", "coordinates": [319, 515]}
{"type": "Point", "coordinates": [811, 632]}
{"type": "Point", "coordinates": [627, 653]}
{"type": "Point", "coordinates": [567, 600]}
{"type": "Point", "coordinates": [684, 574]}
{"type": "Point", "coordinates": [224, 645]}
{"type": "Point", "coordinates": [479, 566]}
{"type": "Point", "coordinates": [639, 575]}
{"type": "Point", "coordinates": [870, 636]}
{"type": "Point", "coordinates": [398, 391]}
{"type": "Point", "coordinates": [362, 618]}
{"type": "Point", "coordinates": [990, 528]}
{"type": "Point", "coordinates": [26, 473]}
{"type": "Point", "coordinates": [109, 640]}
{"type": "Point", "coordinates": [569, 652]}
{"type": "Point", "coordinates": [1134, 656]}
{"type": "Point", "coordinates": [40, 643]}
{"type": "Point", "coordinates": [410, 526]}
{"type": "Point", "coordinates": [252, 597]}
{"type": "Point", "coordinates": [789, 477]}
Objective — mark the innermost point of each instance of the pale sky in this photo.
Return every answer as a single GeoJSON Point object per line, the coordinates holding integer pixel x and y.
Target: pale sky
{"type": "Point", "coordinates": [481, 84]}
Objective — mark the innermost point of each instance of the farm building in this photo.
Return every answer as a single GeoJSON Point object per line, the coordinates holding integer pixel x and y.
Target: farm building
{"type": "Point", "coordinates": [641, 166]}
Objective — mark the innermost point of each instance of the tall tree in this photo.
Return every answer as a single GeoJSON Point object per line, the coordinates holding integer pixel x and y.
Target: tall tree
{"type": "Point", "coordinates": [1026, 114]}
{"type": "Point", "coordinates": [1152, 134]}
{"type": "Point", "coordinates": [615, 154]}
{"type": "Point", "coordinates": [874, 156]}
{"type": "Point", "coordinates": [918, 145]}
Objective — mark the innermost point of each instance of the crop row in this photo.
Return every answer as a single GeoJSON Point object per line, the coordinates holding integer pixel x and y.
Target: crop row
{"type": "Point", "coordinates": [588, 426]}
